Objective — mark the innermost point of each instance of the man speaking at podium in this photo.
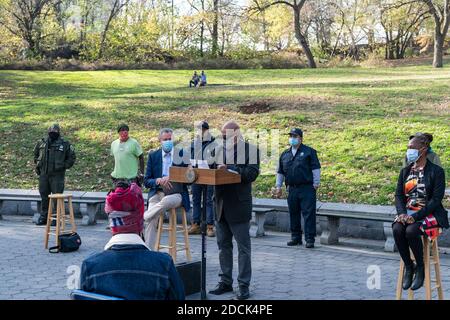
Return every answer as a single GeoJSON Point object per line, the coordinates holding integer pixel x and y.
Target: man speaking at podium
{"type": "Point", "coordinates": [233, 203]}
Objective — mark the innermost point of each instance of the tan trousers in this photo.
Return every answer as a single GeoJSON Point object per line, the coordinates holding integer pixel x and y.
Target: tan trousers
{"type": "Point", "coordinates": [157, 205]}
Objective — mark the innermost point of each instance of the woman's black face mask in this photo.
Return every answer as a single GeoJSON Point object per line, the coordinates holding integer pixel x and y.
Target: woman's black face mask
{"type": "Point", "coordinates": [53, 135]}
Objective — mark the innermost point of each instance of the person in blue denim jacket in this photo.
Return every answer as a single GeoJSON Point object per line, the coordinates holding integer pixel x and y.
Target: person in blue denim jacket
{"type": "Point", "coordinates": [127, 268]}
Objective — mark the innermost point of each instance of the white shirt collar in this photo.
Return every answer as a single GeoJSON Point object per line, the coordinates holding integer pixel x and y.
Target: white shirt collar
{"type": "Point", "coordinates": [125, 238]}
{"type": "Point", "coordinates": [164, 154]}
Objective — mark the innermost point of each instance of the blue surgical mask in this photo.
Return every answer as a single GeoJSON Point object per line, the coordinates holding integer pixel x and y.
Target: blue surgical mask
{"type": "Point", "coordinates": [167, 145]}
{"type": "Point", "coordinates": [294, 141]}
{"type": "Point", "coordinates": [412, 155]}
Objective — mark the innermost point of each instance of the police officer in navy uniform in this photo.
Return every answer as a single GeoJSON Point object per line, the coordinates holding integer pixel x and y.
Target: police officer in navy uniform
{"type": "Point", "coordinates": [52, 156]}
{"type": "Point", "coordinates": [300, 167]}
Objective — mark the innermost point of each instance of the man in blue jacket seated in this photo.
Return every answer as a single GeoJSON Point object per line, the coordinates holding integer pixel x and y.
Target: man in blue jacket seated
{"type": "Point", "coordinates": [163, 194]}
{"type": "Point", "coordinates": [127, 268]}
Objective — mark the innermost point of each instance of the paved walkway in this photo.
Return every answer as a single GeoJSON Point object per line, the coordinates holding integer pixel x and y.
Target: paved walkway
{"type": "Point", "coordinates": [28, 271]}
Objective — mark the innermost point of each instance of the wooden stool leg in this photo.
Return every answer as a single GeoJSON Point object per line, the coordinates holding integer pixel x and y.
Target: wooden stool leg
{"type": "Point", "coordinates": [398, 294]}
{"type": "Point", "coordinates": [58, 219]}
{"type": "Point", "coordinates": [410, 294]}
{"type": "Point", "coordinates": [158, 234]}
{"type": "Point", "coordinates": [426, 249]}
{"type": "Point", "coordinates": [186, 235]}
{"type": "Point", "coordinates": [63, 216]}
{"type": "Point", "coordinates": [72, 217]}
{"type": "Point", "coordinates": [173, 234]}
{"type": "Point", "coordinates": [437, 270]}
{"type": "Point", "coordinates": [49, 221]}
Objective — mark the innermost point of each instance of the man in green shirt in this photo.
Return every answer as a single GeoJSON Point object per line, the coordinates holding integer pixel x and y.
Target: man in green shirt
{"type": "Point", "coordinates": [127, 156]}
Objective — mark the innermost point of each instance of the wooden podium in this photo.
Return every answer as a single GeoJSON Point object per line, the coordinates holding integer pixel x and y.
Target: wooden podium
{"type": "Point", "coordinates": [204, 177]}
{"type": "Point", "coordinates": [210, 177]}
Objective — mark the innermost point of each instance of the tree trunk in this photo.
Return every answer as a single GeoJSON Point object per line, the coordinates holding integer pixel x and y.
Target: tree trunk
{"type": "Point", "coordinates": [301, 38]}
{"type": "Point", "coordinates": [117, 6]}
{"type": "Point", "coordinates": [202, 32]}
{"type": "Point", "coordinates": [215, 30]}
{"type": "Point", "coordinates": [438, 51]}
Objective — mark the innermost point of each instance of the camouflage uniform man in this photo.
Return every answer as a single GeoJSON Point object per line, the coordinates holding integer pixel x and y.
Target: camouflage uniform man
{"type": "Point", "coordinates": [52, 156]}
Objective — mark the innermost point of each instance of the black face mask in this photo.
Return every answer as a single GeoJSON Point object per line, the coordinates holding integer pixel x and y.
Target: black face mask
{"type": "Point", "coordinates": [53, 135]}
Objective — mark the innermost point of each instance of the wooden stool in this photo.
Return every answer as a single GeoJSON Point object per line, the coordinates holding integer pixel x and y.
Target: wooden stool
{"type": "Point", "coordinates": [173, 229]}
{"type": "Point", "coordinates": [60, 216]}
{"type": "Point", "coordinates": [428, 280]}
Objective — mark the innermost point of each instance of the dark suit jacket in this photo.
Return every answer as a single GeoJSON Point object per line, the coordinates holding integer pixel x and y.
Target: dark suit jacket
{"type": "Point", "coordinates": [154, 171]}
{"type": "Point", "coordinates": [234, 201]}
{"type": "Point", "coordinates": [434, 178]}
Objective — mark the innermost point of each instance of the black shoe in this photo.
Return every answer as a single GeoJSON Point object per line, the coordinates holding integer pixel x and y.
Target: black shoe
{"type": "Point", "coordinates": [243, 294]}
{"type": "Point", "coordinates": [408, 276]}
{"type": "Point", "coordinates": [309, 245]}
{"type": "Point", "coordinates": [221, 289]}
{"type": "Point", "coordinates": [41, 221]}
{"type": "Point", "coordinates": [295, 242]}
{"type": "Point", "coordinates": [419, 277]}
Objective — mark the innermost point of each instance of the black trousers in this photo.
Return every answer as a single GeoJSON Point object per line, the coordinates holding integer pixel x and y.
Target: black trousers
{"type": "Point", "coordinates": [409, 236]}
{"type": "Point", "coordinates": [302, 201]}
{"type": "Point", "coordinates": [225, 233]}
{"type": "Point", "coordinates": [48, 184]}
{"type": "Point", "coordinates": [136, 180]}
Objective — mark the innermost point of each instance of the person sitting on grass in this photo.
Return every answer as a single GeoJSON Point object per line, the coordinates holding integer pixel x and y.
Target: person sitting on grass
{"type": "Point", "coordinates": [195, 80]}
{"type": "Point", "coordinates": [127, 268]}
{"type": "Point", "coordinates": [203, 79]}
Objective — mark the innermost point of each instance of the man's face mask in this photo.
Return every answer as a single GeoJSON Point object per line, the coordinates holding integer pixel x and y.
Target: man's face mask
{"type": "Point", "coordinates": [294, 141]}
{"type": "Point", "coordinates": [167, 145]}
{"type": "Point", "coordinates": [123, 135]}
{"type": "Point", "coordinates": [53, 135]}
{"type": "Point", "coordinates": [228, 141]}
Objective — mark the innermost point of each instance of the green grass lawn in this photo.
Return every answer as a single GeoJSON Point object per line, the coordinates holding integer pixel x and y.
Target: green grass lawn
{"type": "Point", "coordinates": [357, 118]}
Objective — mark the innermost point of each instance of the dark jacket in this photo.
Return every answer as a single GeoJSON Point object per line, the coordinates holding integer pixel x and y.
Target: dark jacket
{"type": "Point", "coordinates": [154, 171]}
{"type": "Point", "coordinates": [205, 144]}
{"type": "Point", "coordinates": [132, 272]}
{"type": "Point", "coordinates": [298, 170]}
{"type": "Point", "coordinates": [53, 156]}
{"type": "Point", "coordinates": [233, 202]}
{"type": "Point", "coordinates": [434, 179]}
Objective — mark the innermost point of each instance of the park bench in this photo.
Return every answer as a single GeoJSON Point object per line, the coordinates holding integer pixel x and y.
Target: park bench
{"type": "Point", "coordinates": [89, 202]}
{"type": "Point", "coordinates": [329, 217]}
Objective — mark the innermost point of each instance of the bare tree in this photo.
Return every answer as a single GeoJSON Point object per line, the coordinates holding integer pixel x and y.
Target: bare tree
{"type": "Point", "coordinates": [296, 6]}
{"type": "Point", "coordinates": [202, 14]}
{"type": "Point", "coordinates": [116, 7]}
{"type": "Point", "coordinates": [28, 16]}
{"type": "Point", "coordinates": [399, 24]}
{"type": "Point", "coordinates": [87, 17]}
{"type": "Point", "coordinates": [215, 29]}
{"type": "Point", "coordinates": [440, 11]}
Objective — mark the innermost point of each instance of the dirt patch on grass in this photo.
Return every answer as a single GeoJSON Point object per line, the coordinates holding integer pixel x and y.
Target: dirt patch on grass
{"type": "Point", "coordinates": [255, 107]}
{"type": "Point", "coordinates": [6, 89]}
{"type": "Point", "coordinates": [295, 103]}
{"type": "Point", "coordinates": [443, 107]}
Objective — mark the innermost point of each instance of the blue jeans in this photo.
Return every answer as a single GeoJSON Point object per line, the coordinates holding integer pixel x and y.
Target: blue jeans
{"type": "Point", "coordinates": [197, 204]}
